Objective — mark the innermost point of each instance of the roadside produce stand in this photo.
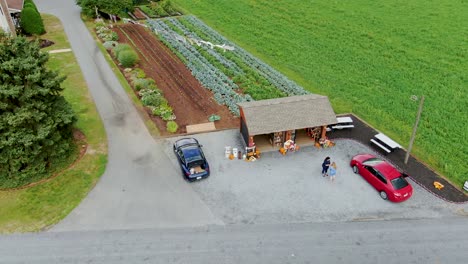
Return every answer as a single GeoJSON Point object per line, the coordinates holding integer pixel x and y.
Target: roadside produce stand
{"type": "Point", "coordinates": [286, 123]}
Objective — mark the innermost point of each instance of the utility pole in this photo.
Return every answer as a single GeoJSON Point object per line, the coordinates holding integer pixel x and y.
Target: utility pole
{"type": "Point", "coordinates": [418, 116]}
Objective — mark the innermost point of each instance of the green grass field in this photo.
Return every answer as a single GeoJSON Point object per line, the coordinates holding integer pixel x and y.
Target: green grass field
{"type": "Point", "coordinates": [38, 207]}
{"type": "Point", "coordinates": [369, 57]}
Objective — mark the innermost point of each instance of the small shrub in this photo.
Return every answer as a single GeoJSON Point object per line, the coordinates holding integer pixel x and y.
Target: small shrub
{"type": "Point", "coordinates": [162, 108]}
{"type": "Point", "coordinates": [150, 84]}
{"type": "Point", "coordinates": [100, 30]}
{"type": "Point", "coordinates": [31, 21]}
{"type": "Point", "coordinates": [109, 36]}
{"type": "Point", "coordinates": [119, 48]}
{"type": "Point", "coordinates": [127, 58]}
{"type": "Point", "coordinates": [166, 112]}
{"type": "Point", "coordinates": [104, 36]}
{"type": "Point", "coordinates": [114, 36]}
{"type": "Point", "coordinates": [147, 83]}
{"type": "Point", "coordinates": [99, 23]}
{"type": "Point", "coordinates": [139, 73]}
{"type": "Point", "coordinates": [139, 84]}
{"type": "Point", "coordinates": [172, 126]}
{"type": "Point", "coordinates": [214, 117]}
{"type": "Point", "coordinates": [153, 86]}
{"type": "Point", "coordinates": [156, 111]}
{"type": "Point", "coordinates": [110, 44]}
{"type": "Point", "coordinates": [152, 98]}
{"type": "Point", "coordinates": [168, 116]}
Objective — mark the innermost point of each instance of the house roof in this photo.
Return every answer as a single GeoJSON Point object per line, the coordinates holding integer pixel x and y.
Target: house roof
{"type": "Point", "coordinates": [287, 113]}
{"type": "Point", "coordinates": [15, 5]}
{"type": "Point", "coordinates": [5, 16]}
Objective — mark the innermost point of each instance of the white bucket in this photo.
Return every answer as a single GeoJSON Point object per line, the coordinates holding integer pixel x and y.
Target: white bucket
{"type": "Point", "coordinates": [227, 151]}
{"type": "Point", "coordinates": [235, 152]}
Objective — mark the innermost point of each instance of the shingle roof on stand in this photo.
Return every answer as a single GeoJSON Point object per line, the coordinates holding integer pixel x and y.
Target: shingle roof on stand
{"type": "Point", "coordinates": [287, 113]}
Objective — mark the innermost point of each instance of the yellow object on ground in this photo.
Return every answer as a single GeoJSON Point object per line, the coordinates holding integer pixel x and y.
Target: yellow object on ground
{"type": "Point", "coordinates": [438, 185]}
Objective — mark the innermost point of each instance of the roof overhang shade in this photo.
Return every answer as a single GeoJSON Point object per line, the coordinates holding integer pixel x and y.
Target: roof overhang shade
{"type": "Point", "coordinates": [287, 113]}
{"type": "Point", "coordinates": [15, 6]}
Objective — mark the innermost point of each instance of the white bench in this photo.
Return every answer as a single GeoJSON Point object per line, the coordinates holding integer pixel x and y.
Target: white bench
{"type": "Point", "coordinates": [343, 122]}
{"type": "Point", "coordinates": [342, 126]}
{"type": "Point", "coordinates": [385, 143]}
{"type": "Point", "coordinates": [380, 145]}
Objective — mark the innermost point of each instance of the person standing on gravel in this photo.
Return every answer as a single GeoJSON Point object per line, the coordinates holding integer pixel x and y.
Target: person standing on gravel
{"type": "Point", "coordinates": [332, 171]}
{"type": "Point", "coordinates": [325, 165]}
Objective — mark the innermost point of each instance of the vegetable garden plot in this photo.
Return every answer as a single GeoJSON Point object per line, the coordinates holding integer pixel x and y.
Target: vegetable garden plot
{"type": "Point", "coordinates": [192, 103]}
{"type": "Point", "coordinates": [234, 75]}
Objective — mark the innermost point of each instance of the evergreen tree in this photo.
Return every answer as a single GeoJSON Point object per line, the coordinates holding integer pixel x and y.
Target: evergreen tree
{"type": "Point", "coordinates": [31, 21]}
{"type": "Point", "coordinates": [35, 120]}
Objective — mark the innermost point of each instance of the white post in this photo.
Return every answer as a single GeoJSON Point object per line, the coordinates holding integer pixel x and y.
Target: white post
{"type": "Point", "coordinates": [418, 116]}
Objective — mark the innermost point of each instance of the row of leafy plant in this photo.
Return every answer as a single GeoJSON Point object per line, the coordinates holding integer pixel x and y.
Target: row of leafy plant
{"type": "Point", "coordinates": [150, 95]}
{"type": "Point", "coordinates": [273, 76]}
{"type": "Point", "coordinates": [246, 77]}
{"type": "Point", "coordinates": [226, 92]}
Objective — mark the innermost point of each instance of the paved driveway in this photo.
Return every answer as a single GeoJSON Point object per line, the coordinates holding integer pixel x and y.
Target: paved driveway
{"type": "Point", "coordinates": [285, 189]}
{"type": "Point", "coordinates": [138, 189]}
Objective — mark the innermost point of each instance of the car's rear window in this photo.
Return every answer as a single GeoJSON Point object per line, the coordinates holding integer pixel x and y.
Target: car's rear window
{"type": "Point", "coordinates": [192, 155]}
{"type": "Point", "coordinates": [399, 183]}
{"type": "Point", "coordinates": [372, 161]}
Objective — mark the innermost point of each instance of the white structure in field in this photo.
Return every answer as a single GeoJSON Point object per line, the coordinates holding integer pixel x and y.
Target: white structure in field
{"type": "Point", "coordinates": [199, 42]}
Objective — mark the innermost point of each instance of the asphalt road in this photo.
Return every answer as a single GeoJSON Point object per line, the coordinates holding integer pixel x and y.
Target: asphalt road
{"type": "Point", "coordinates": [414, 241]}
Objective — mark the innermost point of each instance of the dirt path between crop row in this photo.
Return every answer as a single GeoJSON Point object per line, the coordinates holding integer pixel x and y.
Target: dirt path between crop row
{"type": "Point", "coordinates": [192, 103]}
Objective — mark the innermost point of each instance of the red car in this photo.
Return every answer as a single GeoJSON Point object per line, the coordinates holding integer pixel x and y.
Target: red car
{"type": "Point", "coordinates": [389, 182]}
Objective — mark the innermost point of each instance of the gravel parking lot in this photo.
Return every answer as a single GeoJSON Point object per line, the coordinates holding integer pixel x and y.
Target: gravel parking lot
{"type": "Point", "coordinates": [287, 189]}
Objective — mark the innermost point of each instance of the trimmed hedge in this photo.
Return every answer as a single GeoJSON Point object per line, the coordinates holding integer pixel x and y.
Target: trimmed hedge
{"type": "Point", "coordinates": [31, 21]}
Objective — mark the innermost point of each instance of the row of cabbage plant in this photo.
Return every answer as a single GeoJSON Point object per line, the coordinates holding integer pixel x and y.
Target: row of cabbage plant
{"type": "Point", "coordinates": [249, 79]}
{"type": "Point", "coordinates": [212, 52]}
{"type": "Point", "coordinates": [273, 76]}
{"type": "Point", "coordinates": [224, 88]}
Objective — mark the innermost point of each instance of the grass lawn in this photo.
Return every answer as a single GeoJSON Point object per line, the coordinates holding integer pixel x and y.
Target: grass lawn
{"type": "Point", "coordinates": [369, 57]}
{"type": "Point", "coordinates": [40, 206]}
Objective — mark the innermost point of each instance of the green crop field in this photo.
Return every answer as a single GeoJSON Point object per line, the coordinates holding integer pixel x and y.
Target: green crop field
{"type": "Point", "coordinates": [369, 57]}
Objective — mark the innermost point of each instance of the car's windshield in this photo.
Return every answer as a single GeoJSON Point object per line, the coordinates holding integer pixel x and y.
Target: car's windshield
{"type": "Point", "coordinates": [399, 183]}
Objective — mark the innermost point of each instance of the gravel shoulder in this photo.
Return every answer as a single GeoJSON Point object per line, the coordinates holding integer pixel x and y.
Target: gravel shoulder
{"type": "Point", "coordinates": [290, 189]}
